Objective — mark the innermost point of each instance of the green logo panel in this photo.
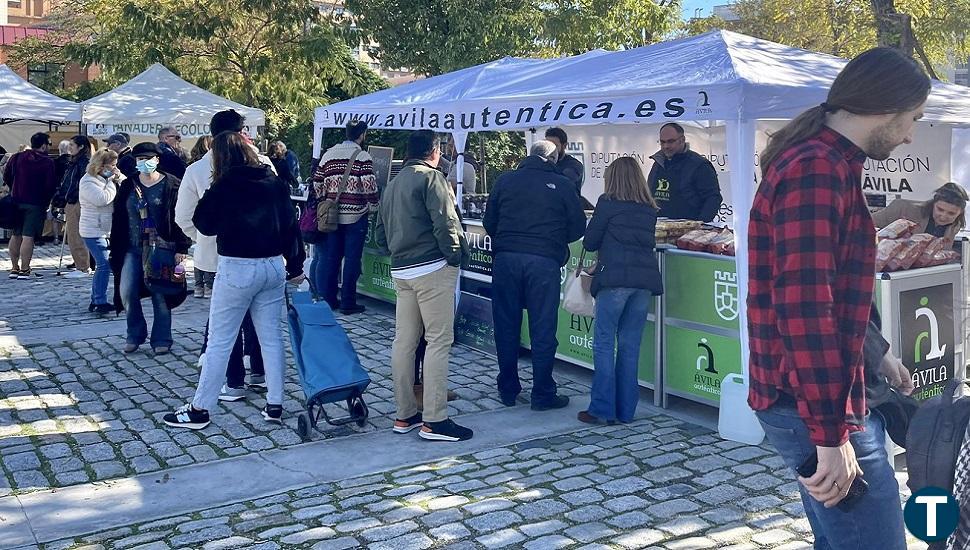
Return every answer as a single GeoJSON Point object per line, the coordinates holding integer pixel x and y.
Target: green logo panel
{"type": "Point", "coordinates": [697, 362]}
{"type": "Point", "coordinates": [703, 290]}
{"type": "Point", "coordinates": [376, 281]}
{"type": "Point", "coordinates": [575, 336]}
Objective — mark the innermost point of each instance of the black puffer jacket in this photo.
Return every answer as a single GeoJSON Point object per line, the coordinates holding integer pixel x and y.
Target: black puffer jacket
{"type": "Point", "coordinates": [623, 232]}
{"type": "Point", "coordinates": [71, 183]}
{"type": "Point", "coordinates": [685, 186]}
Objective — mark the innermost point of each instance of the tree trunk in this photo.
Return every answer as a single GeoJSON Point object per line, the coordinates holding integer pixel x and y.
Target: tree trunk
{"type": "Point", "coordinates": [893, 29]}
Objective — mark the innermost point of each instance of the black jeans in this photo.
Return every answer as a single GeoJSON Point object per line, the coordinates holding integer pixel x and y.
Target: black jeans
{"type": "Point", "coordinates": [530, 282]}
{"type": "Point", "coordinates": [246, 344]}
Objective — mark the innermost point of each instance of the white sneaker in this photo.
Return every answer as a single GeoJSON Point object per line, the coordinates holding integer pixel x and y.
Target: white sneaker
{"type": "Point", "coordinates": [201, 362]}
{"type": "Point", "coordinates": [77, 275]}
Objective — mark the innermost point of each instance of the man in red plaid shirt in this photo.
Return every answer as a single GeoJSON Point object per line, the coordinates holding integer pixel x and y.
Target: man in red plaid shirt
{"type": "Point", "coordinates": [812, 249]}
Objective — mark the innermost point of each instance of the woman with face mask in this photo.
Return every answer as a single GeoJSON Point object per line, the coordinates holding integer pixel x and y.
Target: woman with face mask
{"type": "Point", "coordinates": [97, 191]}
{"type": "Point", "coordinates": [66, 197]}
{"type": "Point", "coordinates": [941, 216]}
{"type": "Point", "coordinates": [144, 210]}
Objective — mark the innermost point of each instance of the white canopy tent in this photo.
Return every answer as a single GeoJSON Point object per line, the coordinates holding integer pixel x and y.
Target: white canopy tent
{"type": "Point", "coordinates": [26, 109]}
{"type": "Point", "coordinates": [156, 98]}
{"type": "Point", "coordinates": [21, 100]}
{"type": "Point", "coordinates": [719, 77]}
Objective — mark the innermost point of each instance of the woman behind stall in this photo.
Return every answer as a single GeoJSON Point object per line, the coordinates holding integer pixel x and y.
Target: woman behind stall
{"type": "Point", "coordinates": [626, 278]}
{"type": "Point", "coordinates": [942, 216]}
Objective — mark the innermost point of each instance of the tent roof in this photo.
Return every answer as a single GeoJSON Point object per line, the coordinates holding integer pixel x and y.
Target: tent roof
{"type": "Point", "coordinates": [157, 95]}
{"type": "Point", "coordinates": [21, 100]}
{"type": "Point", "coordinates": [716, 76]}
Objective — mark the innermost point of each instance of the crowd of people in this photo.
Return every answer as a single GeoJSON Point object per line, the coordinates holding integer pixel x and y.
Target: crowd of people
{"type": "Point", "coordinates": [137, 211]}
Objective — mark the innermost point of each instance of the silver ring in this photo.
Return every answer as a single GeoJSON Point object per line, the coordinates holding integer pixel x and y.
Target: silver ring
{"type": "Point", "coordinates": [837, 486]}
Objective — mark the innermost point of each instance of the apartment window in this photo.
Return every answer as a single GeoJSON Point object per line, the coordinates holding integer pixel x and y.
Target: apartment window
{"type": "Point", "coordinates": [49, 76]}
{"type": "Point", "coordinates": [16, 4]}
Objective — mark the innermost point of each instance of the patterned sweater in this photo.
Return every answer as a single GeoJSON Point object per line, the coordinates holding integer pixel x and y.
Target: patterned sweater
{"type": "Point", "coordinates": [360, 196]}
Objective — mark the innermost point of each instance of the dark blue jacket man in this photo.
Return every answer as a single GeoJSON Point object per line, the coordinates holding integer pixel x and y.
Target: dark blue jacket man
{"type": "Point", "coordinates": [533, 213]}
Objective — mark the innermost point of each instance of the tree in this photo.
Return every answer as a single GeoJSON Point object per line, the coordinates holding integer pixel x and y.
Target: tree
{"type": "Point", "coordinates": [848, 27]}
{"type": "Point", "coordinates": [279, 55]}
{"type": "Point", "coordinates": [437, 36]}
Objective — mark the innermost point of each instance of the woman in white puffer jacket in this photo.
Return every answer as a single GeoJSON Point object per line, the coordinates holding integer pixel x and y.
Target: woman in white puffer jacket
{"type": "Point", "coordinates": [96, 193]}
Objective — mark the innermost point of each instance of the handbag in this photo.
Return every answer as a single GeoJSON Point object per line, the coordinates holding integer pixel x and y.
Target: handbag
{"type": "Point", "coordinates": [577, 298]}
{"type": "Point", "coordinates": [163, 274]}
{"type": "Point", "coordinates": [328, 210]}
{"type": "Point", "coordinates": [9, 212]}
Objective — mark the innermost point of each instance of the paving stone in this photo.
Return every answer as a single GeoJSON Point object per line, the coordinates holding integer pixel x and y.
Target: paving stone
{"type": "Point", "coordinates": [416, 541]}
{"type": "Point", "coordinates": [488, 505]}
{"type": "Point", "coordinates": [501, 539]}
{"type": "Point", "coordinates": [389, 531]}
{"type": "Point", "coordinates": [442, 517]}
{"type": "Point", "coordinates": [588, 513]}
{"type": "Point", "coordinates": [190, 526]}
{"type": "Point", "coordinates": [549, 542]}
{"type": "Point", "coordinates": [672, 508]}
{"type": "Point", "coordinates": [541, 509]}
{"type": "Point", "coordinates": [21, 462]}
{"type": "Point", "coordinates": [450, 532]}
{"type": "Point", "coordinates": [201, 536]}
{"type": "Point", "coordinates": [720, 494]}
{"type": "Point", "coordinates": [230, 542]}
{"type": "Point", "coordinates": [639, 538]}
{"type": "Point", "coordinates": [586, 496]}
{"type": "Point", "coordinates": [774, 536]}
{"type": "Point", "coordinates": [106, 470]}
{"type": "Point", "coordinates": [493, 521]}
{"type": "Point", "coordinates": [342, 543]}
{"type": "Point", "coordinates": [542, 527]}
{"type": "Point", "coordinates": [308, 535]}
{"type": "Point", "coordinates": [683, 526]}
{"type": "Point", "coordinates": [626, 503]}
{"type": "Point", "coordinates": [624, 486]}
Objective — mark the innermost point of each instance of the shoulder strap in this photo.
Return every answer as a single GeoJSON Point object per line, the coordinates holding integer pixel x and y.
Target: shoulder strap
{"type": "Point", "coordinates": [346, 176]}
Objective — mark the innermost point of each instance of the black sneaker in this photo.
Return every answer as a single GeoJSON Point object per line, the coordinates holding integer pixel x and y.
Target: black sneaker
{"type": "Point", "coordinates": [104, 308]}
{"type": "Point", "coordinates": [557, 402]}
{"type": "Point", "coordinates": [187, 417]}
{"type": "Point", "coordinates": [273, 413]}
{"type": "Point", "coordinates": [446, 430]}
{"type": "Point", "coordinates": [353, 310]}
{"type": "Point", "coordinates": [408, 424]}
{"type": "Point", "coordinates": [509, 400]}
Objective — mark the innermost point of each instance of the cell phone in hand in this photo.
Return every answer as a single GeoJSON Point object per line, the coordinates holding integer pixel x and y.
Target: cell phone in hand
{"type": "Point", "coordinates": [859, 486]}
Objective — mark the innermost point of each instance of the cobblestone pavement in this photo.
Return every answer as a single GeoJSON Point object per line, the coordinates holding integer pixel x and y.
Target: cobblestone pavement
{"type": "Point", "coordinates": [657, 483]}
{"type": "Point", "coordinates": [78, 411]}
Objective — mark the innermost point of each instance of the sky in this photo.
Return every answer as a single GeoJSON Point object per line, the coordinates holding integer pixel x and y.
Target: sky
{"type": "Point", "coordinates": [705, 5]}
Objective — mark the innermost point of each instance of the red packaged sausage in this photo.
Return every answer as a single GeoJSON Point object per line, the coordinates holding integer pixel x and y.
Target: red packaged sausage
{"type": "Point", "coordinates": [899, 229]}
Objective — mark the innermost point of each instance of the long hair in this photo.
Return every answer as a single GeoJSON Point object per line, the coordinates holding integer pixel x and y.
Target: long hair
{"type": "Point", "coordinates": [201, 147]}
{"type": "Point", "coordinates": [230, 150]}
{"type": "Point", "coordinates": [84, 148]}
{"type": "Point", "coordinates": [879, 81]}
{"type": "Point", "coordinates": [950, 193]}
{"type": "Point", "coordinates": [101, 159]}
{"type": "Point", "coordinates": [277, 150]}
{"type": "Point", "coordinates": [625, 182]}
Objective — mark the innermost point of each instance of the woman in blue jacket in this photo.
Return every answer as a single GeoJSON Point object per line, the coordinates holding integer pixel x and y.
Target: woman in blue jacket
{"type": "Point", "coordinates": [627, 276]}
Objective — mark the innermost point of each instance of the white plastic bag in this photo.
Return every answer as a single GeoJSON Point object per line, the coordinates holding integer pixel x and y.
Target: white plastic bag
{"type": "Point", "coordinates": [577, 298]}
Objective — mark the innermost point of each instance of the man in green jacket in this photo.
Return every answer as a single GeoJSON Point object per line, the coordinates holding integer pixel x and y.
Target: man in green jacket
{"type": "Point", "coordinates": [418, 227]}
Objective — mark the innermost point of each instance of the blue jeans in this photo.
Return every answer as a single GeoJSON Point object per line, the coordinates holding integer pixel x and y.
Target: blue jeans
{"type": "Point", "coordinates": [255, 285]}
{"type": "Point", "coordinates": [876, 520]}
{"type": "Point", "coordinates": [346, 245]}
{"type": "Point", "coordinates": [98, 247]}
{"type": "Point", "coordinates": [132, 280]}
{"type": "Point", "coordinates": [621, 314]}
{"type": "Point", "coordinates": [530, 282]}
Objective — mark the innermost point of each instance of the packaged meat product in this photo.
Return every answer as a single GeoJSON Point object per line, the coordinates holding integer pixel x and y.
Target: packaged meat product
{"type": "Point", "coordinates": [899, 229]}
{"type": "Point", "coordinates": [720, 243]}
{"type": "Point", "coordinates": [908, 255]}
{"type": "Point", "coordinates": [730, 250]}
{"type": "Point", "coordinates": [696, 240]}
{"type": "Point", "coordinates": [887, 250]}
{"type": "Point", "coordinates": [926, 258]}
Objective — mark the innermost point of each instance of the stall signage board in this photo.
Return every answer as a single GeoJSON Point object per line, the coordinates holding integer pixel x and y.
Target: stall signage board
{"type": "Point", "coordinates": [575, 336]}
{"type": "Point", "coordinates": [376, 280]}
{"type": "Point", "coordinates": [480, 250]}
{"type": "Point", "coordinates": [473, 323]}
{"type": "Point", "coordinates": [703, 290]}
{"type": "Point", "coordinates": [927, 337]}
{"type": "Point", "coordinates": [696, 362]}
{"type": "Point", "coordinates": [383, 157]}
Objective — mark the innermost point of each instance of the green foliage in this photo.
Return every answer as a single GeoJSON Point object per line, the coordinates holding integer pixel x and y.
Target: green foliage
{"type": "Point", "coordinates": [280, 55]}
{"type": "Point", "coordinates": [437, 36]}
{"type": "Point", "coordinates": [847, 27]}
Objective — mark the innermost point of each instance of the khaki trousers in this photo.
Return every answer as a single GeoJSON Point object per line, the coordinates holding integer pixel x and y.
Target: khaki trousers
{"type": "Point", "coordinates": [425, 305]}
{"type": "Point", "coordinates": [72, 213]}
